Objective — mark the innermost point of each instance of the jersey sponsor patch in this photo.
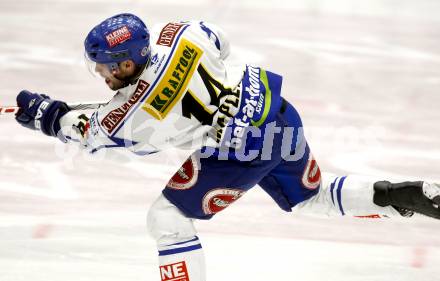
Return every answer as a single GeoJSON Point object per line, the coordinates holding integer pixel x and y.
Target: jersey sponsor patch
{"type": "Point", "coordinates": [218, 199]}
{"type": "Point", "coordinates": [156, 63]}
{"type": "Point", "coordinates": [118, 36]}
{"type": "Point", "coordinates": [256, 103]}
{"type": "Point", "coordinates": [168, 33]}
{"type": "Point", "coordinates": [175, 80]}
{"type": "Point", "coordinates": [311, 178]}
{"type": "Point", "coordinates": [186, 176]}
{"type": "Point", "coordinates": [174, 272]}
{"type": "Point", "coordinates": [114, 117]}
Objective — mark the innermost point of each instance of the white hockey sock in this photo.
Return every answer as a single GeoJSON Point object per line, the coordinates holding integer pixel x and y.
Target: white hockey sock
{"type": "Point", "coordinates": [346, 195]}
{"type": "Point", "coordinates": [182, 261]}
{"type": "Point", "coordinates": [353, 195]}
{"type": "Point", "coordinates": [181, 255]}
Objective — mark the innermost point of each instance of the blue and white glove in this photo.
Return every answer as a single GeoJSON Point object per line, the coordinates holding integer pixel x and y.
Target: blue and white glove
{"type": "Point", "coordinates": [40, 112]}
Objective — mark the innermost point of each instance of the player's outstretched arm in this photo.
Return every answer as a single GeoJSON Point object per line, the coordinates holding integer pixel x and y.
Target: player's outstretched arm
{"type": "Point", "coordinates": [66, 122]}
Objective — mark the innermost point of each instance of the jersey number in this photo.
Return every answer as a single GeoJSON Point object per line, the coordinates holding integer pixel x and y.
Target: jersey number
{"type": "Point", "coordinates": [192, 106]}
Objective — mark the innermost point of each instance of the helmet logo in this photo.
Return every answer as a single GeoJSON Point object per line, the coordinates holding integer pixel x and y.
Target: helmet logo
{"type": "Point", "coordinates": [118, 36]}
{"type": "Point", "coordinates": [145, 51]}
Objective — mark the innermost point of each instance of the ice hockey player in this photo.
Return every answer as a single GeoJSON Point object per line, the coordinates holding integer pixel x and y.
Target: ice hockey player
{"type": "Point", "coordinates": [173, 88]}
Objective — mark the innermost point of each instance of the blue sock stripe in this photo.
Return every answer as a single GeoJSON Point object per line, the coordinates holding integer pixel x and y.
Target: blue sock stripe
{"type": "Point", "coordinates": [339, 195]}
{"type": "Point", "coordinates": [332, 187]}
{"type": "Point", "coordinates": [180, 250]}
{"type": "Point", "coordinates": [180, 243]}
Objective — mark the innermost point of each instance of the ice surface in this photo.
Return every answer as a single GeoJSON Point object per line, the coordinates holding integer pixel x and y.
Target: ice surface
{"type": "Point", "coordinates": [365, 76]}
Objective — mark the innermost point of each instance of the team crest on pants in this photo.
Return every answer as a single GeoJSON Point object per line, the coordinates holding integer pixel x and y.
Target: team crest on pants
{"type": "Point", "coordinates": [186, 176]}
{"type": "Point", "coordinates": [218, 199]}
{"type": "Point", "coordinates": [311, 178]}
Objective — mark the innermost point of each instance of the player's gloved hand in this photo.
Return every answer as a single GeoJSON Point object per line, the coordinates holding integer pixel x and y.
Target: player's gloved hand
{"type": "Point", "coordinates": [420, 197]}
{"type": "Point", "coordinates": [40, 112]}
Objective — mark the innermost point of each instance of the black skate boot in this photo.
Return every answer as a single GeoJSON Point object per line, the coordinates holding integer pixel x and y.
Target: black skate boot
{"type": "Point", "coordinates": [408, 197]}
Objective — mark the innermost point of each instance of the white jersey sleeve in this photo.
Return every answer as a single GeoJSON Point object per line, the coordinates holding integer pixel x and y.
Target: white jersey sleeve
{"type": "Point", "coordinates": [184, 94]}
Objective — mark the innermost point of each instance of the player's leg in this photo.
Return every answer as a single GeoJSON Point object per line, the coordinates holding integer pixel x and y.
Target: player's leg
{"type": "Point", "coordinates": [297, 182]}
{"type": "Point", "coordinates": [180, 251]}
{"type": "Point", "coordinates": [201, 188]}
{"type": "Point", "coordinates": [290, 185]}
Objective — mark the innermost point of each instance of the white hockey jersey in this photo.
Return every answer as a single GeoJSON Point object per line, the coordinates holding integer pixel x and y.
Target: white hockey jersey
{"type": "Point", "coordinates": [184, 94]}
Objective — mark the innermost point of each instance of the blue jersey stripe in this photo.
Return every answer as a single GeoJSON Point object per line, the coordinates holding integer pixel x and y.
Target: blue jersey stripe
{"type": "Point", "coordinates": [332, 187]}
{"type": "Point", "coordinates": [118, 143]}
{"type": "Point", "coordinates": [96, 149]}
{"type": "Point", "coordinates": [180, 250]}
{"type": "Point", "coordinates": [180, 243]}
{"type": "Point", "coordinates": [136, 106]}
{"type": "Point", "coordinates": [339, 195]}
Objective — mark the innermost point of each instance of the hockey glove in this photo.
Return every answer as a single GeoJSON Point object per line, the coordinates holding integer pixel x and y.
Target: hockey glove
{"type": "Point", "coordinates": [39, 112]}
{"type": "Point", "coordinates": [420, 197]}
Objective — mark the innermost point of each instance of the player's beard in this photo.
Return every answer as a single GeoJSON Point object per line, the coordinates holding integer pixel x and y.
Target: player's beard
{"type": "Point", "coordinates": [114, 83]}
{"type": "Point", "coordinates": [120, 80]}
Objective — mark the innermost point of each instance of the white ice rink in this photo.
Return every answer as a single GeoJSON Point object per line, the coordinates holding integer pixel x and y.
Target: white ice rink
{"type": "Point", "coordinates": [365, 75]}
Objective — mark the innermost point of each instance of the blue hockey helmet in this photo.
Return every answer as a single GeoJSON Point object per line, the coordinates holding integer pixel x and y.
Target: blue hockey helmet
{"type": "Point", "coordinates": [118, 38]}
